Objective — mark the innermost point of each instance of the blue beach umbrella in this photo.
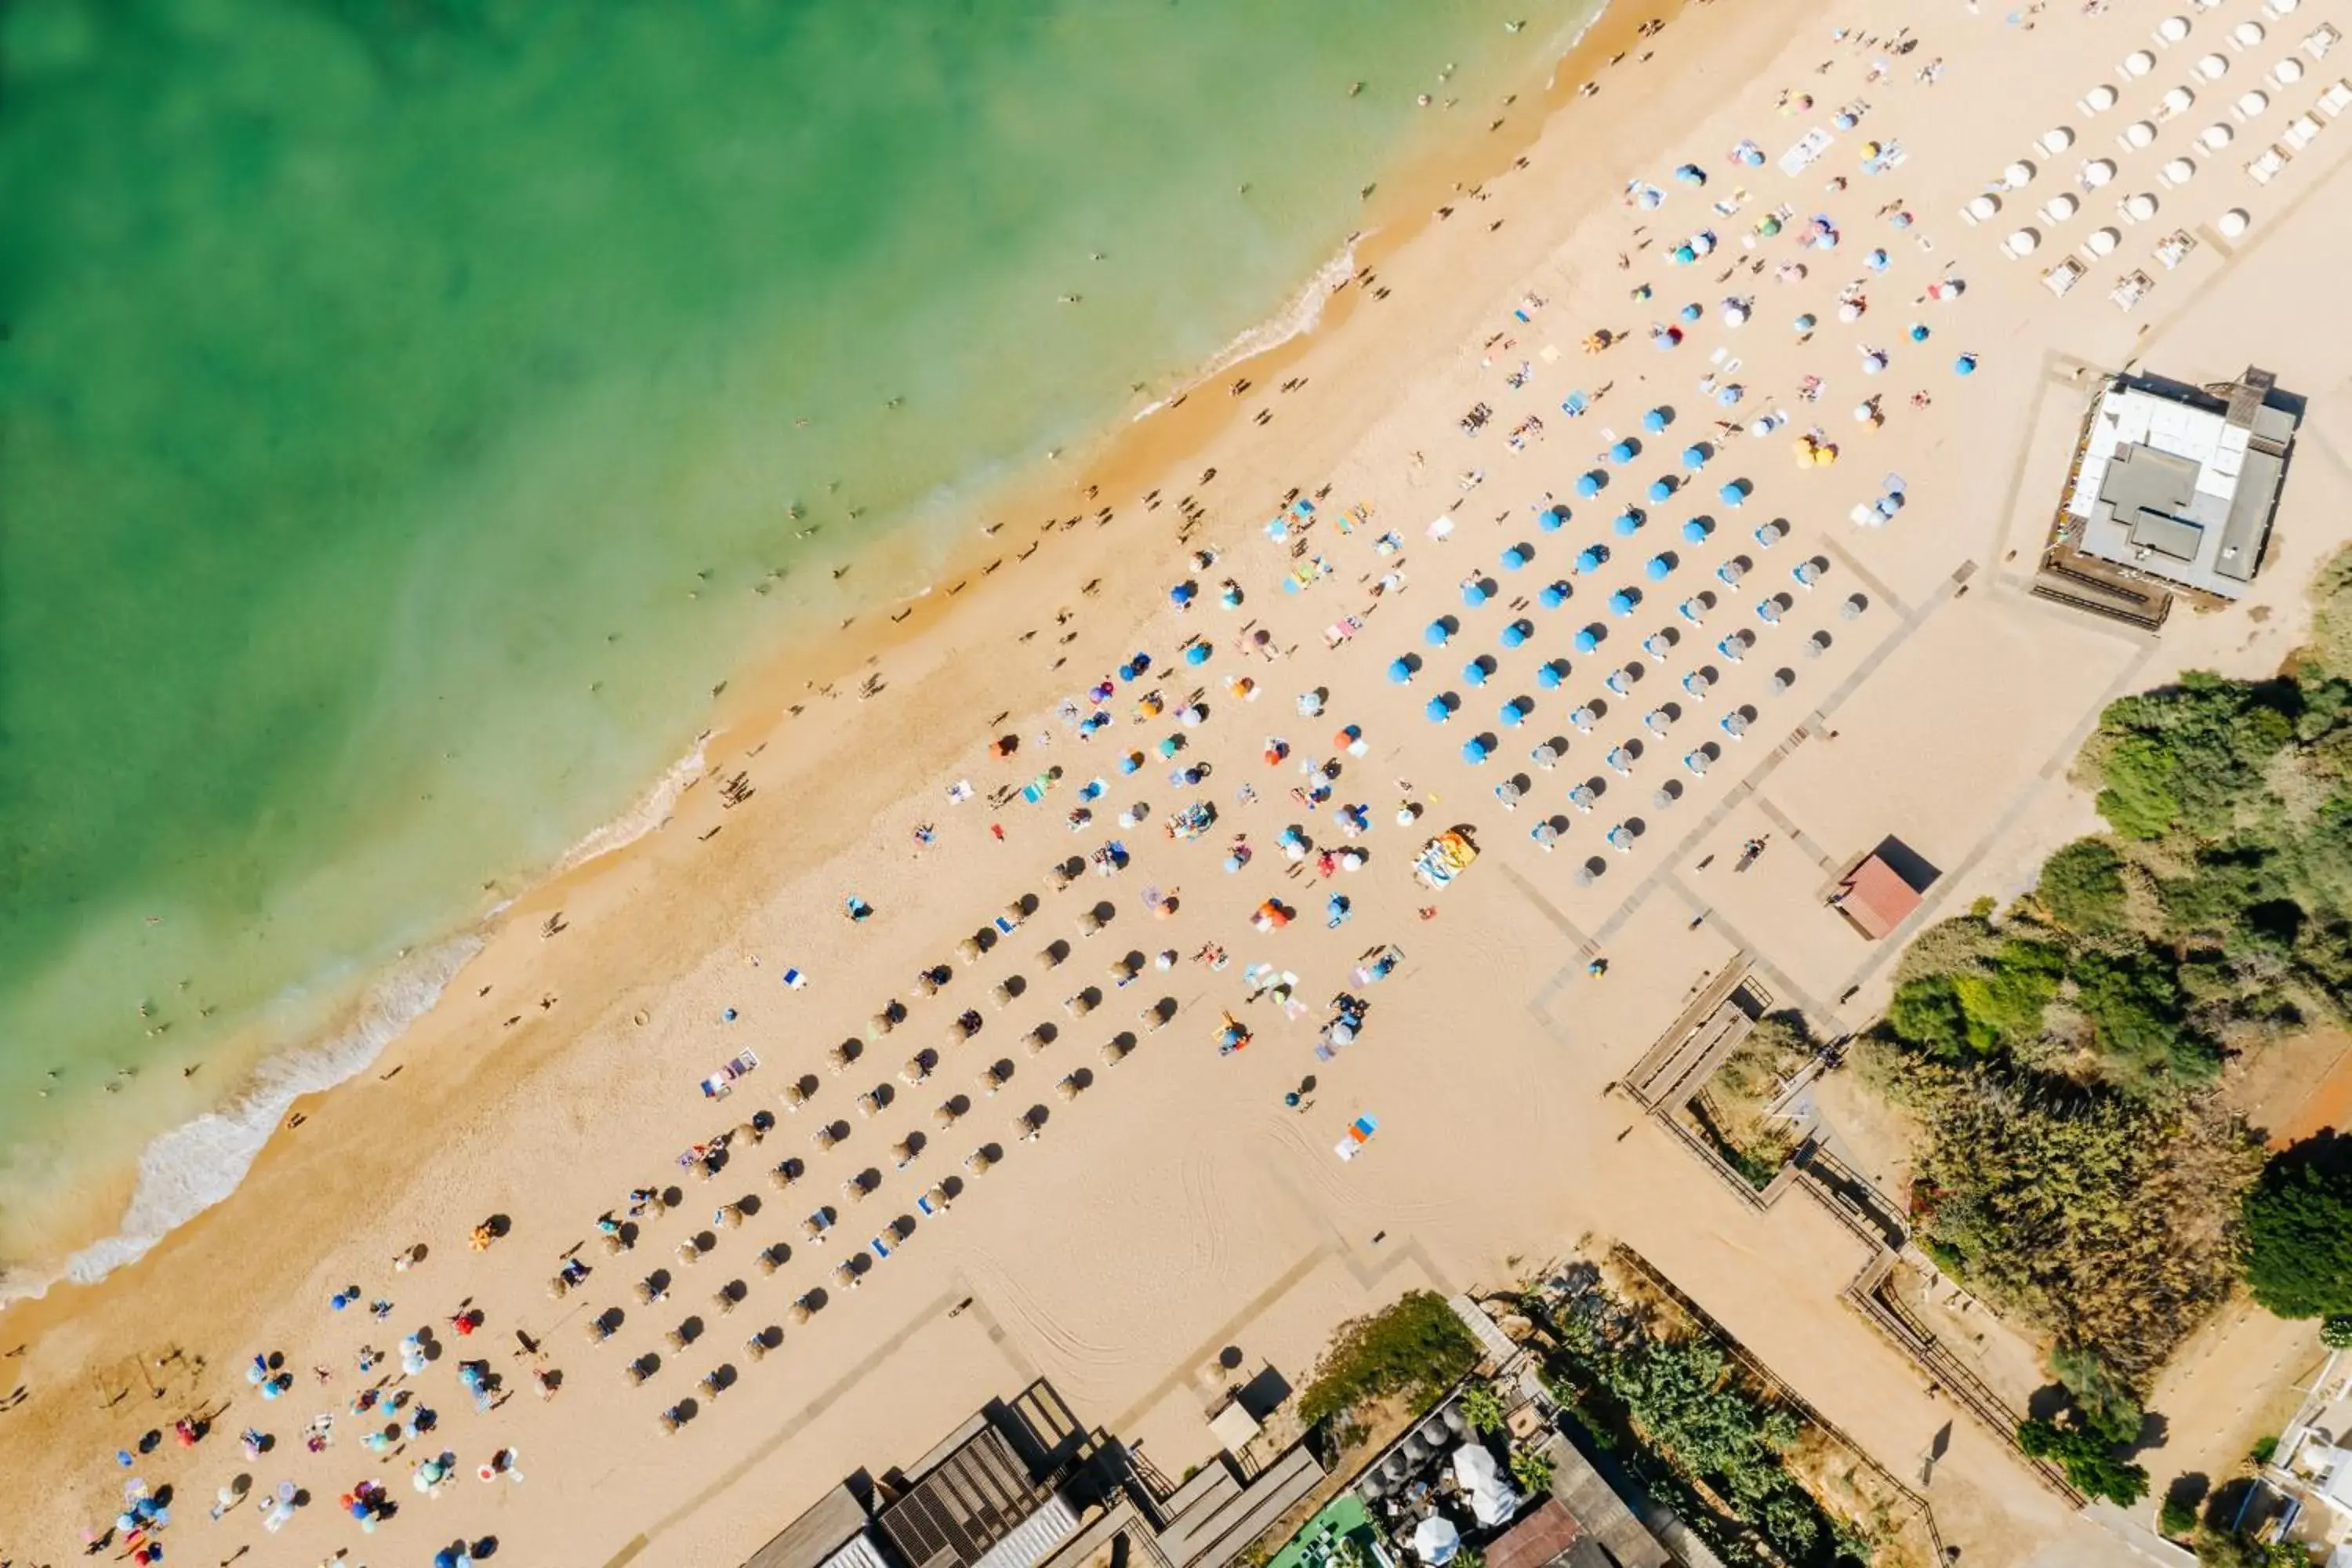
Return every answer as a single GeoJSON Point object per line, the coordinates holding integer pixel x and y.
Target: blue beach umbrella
{"type": "Point", "coordinates": [1517, 633]}
{"type": "Point", "coordinates": [1656, 419]}
{"type": "Point", "coordinates": [1588, 484]}
{"type": "Point", "coordinates": [1515, 710]}
{"type": "Point", "coordinates": [1691, 174]}
{"type": "Point", "coordinates": [1918, 333]}
{"type": "Point", "coordinates": [1589, 560]}
{"type": "Point", "coordinates": [1695, 458]}
{"type": "Point", "coordinates": [1622, 453]}
{"type": "Point", "coordinates": [1586, 639]}
{"type": "Point", "coordinates": [1399, 671]}
{"type": "Point", "coordinates": [1551, 672]}
{"type": "Point", "coordinates": [1550, 519]}
{"type": "Point", "coordinates": [1662, 489]}
{"type": "Point", "coordinates": [1660, 568]}
{"type": "Point", "coordinates": [1622, 600]}
{"type": "Point", "coordinates": [1683, 255]}
{"type": "Point", "coordinates": [1690, 312]}
{"type": "Point", "coordinates": [1965, 366]}
{"type": "Point", "coordinates": [1475, 672]}
{"type": "Point", "coordinates": [1575, 403]}
{"type": "Point", "coordinates": [1696, 531]}
{"type": "Point", "coordinates": [1475, 750]}
{"type": "Point", "coordinates": [1734, 493]}
{"type": "Point", "coordinates": [1629, 522]}
{"type": "Point", "coordinates": [1474, 593]}
{"type": "Point", "coordinates": [1182, 594]}
{"type": "Point", "coordinates": [1197, 654]}
{"type": "Point", "coordinates": [1876, 260]}
{"type": "Point", "coordinates": [1553, 596]}
{"type": "Point", "coordinates": [1515, 556]}
{"type": "Point", "coordinates": [1439, 709]}
{"type": "Point", "coordinates": [1438, 633]}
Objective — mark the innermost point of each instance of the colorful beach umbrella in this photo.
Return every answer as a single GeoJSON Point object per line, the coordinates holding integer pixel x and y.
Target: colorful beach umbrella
{"type": "Point", "coordinates": [1553, 596]}
{"type": "Point", "coordinates": [1654, 420]}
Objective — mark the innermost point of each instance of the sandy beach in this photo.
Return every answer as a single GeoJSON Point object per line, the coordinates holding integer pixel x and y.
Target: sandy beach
{"type": "Point", "coordinates": [1171, 1203]}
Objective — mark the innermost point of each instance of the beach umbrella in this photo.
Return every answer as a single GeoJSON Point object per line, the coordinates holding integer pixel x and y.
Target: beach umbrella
{"type": "Point", "coordinates": [1767, 611]}
{"type": "Point", "coordinates": [1805, 324]}
{"type": "Point", "coordinates": [1622, 453]}
{"type": "Point", "coordinates": [1683, 255]}
{"type": "Point", "coordinates": [1515, 557]}
{"type": "Point", "coordinates": [1656, 419]}
{"type": "Point", "coordinates": [1735, 312]}
{"type": "Point", "coordinates": [1549, 674]}
{"type": "Point", "coordinates": [1618, 761]}
{"type": "Point", "coordinates": [1659, 569]}
{"type": "Point", "coordinates": [1628, 523]}
{"type": "Point", "coordinates": [1621, 838]}
{"type": "Point", "coordinates": [1666, 336]}
{"type": "Point", "coordinates": [1544, 833]}
{"type": "Point", "coordinates": [2215, 137]}
{"type": "Point", "coordinates": [1695, 458]}
{"type": "Point", "coordinates": [1735, 492]}
{"type": "Point", "coordinates": [1183, 593]}
{"type": "Point", "coordinates": [1768, 226]}
{"type": "Point", "coordinates": [1691, 174]}
{"type": "Point", "coordinates": [1662, 489]}
{"type": "Point", "coordinates": [1730, 395]}
{"type": "Point", "coordinates": [1872, 361]}
{"type": "Point", "coordinates": [1589, 560]}
{"type": "Point", "coordinates": [1850, 310]}
{"type": "Point", "coordinates": [1692, 610]}
{"type": "Point", "coordinates": [1581, 797]}
{"type": "Point", "coordinates": [1438, 633]}
{"type": "Point", "coordinates": [1474, 593]}
{"type": "Point", "coordinates": [1696, 531]}
{"type": "Point", "coordinates": [1696, 682]}
{"type": "Point", "coordinates": [2232, 225]}
{"type": "Point", "coordinates": [1917, 333]}
{"type": "Point", "coordinates": [1585, 640]}
{"type": "Point", "coordinates": [1550, 519]}
{"type": "Point", "coordinates": [1588, 485]}
{"type": "Point", "coordinates": [2139, 207]}
{"type": "Point", "coordinates": [1621, 602]}
{"type": "Point", "coordinates": [1516, 632]}
{"type": "Point", "coordinates": [1876, 260]}
{"type": "Point", "coordinates": [1515, 710]}
{"type": "Point", "coordinates": [1197, 654]}
{"type": "Point", "coordinates": [1475, 750]}
{"type": "Point", "coordinates": [1545, 756]}
{"type": "Point", "coordinates": [1704, 240]}
{"type": "Point", "coordinates": [1689, 312]}
{"type": "Point", "coordinates": [1583, 719]}
{"type": "Point", "coordinates": [1965, 366]}
{"type": "Point", "coordinates": [1439, 709]}
{"type": "Point", "coordinates": [1649, 198]}
{"type": "Point", "coordinates": [1553, 596]}
{"type": "Point", "coordinates": [1806, 573]}
{"type": "Point", "coordinates": [1399, 671]}
{"type": "Point", "coordinates": [1750, 154]}
{"type": "Point", "coordinates": [1475, 672]}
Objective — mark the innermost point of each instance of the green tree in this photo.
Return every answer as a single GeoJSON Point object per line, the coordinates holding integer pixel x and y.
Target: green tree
{"type": "Point", "coordinates": [1481, 1408]}
{"type": "Point", "coordinates": [1532, 1469]}
{"type": "Point", "coordinates": [2090, 1461]}
{"type": "Point", "coordinates": [2298, 1231]}
{"type": "Point", "coordinates": [1415, 1347]}
{"type": "Point", "coordinates": [2177, 1518]}
{"type": "Point", "coordinates": [2331, 613]}
{"type": "Point", "coordinates": [2082, 886]}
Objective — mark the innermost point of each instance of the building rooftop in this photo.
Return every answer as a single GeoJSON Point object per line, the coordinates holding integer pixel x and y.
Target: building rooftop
{"type": "Point", "coordinates": [967, 1501]}
{"type": "Point", "coordinates": [1876, 898]}
{"type": "Point", "coordinates": [2180, 483]}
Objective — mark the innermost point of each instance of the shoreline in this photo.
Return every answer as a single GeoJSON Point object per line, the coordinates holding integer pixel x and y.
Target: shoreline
{"type": "Point", "coordinates": [774, 682]}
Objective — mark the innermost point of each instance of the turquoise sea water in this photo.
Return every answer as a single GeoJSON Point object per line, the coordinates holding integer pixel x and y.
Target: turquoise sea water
{"type": "Point", "coordinates": [398, 423]}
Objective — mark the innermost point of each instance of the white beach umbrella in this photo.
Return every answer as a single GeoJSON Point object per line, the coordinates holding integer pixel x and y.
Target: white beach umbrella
{"type": "Point", "coordinates": [2232, 224]}
{"type": "Point", "coordinates": [2247, 36]}
{"type": "Point", "coordinates": [2139, 207]}
{"type": "Point", "coordinates": [1983, 207]}
{"type": "Point", "coordinates": [2251, 105]}
{"type": "Point", "coordinates": [2018, 175]}
{"type": "Point", "coordinates": [2060, 208]}
{"type": "Point", "coordinates": [2171, 30]}
{"type": "Point", "coordinates": [2287, 72]}
{"type": "Point", "coordinates": [2215, 137]}
{"type": "Point", "coordinates": [2055, 139]}
{"type": "Point", "coordinates": [2212, 68]}
{"type": "Point", "coordinates": [2137, 134]}
{"type": "Point", "coordinates": [2098, 101]}
{"type": "Point", "coordinates": [2102, 242]}
{"type": "Point", "coordinates": [2282, 8]}
{"type": "Point", "coordinates": [2177, 101]}
{"type": "Point", "coordinates": [2179, 171]}
{"type": "Point", "coordinates": [2097, 172]}
{"type": "Point", "coordinates": [2024, 242]}
{"type": "Point", "coordinates": [2139, 63]}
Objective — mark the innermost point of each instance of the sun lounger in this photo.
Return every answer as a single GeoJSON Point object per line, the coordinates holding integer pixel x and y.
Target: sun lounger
{"type": "Point", "coordinates": [2301, 132]}
{"type": "Point", "coordinates": [2130, 289]}
{"type": "Point", "coordinates": [2336, 100]}
{"type": "Point", "coordinates": [2265, 169]}
{"type": "Point", "coordinates": [719, 1085]}
{"type": "Point", "coordinates": [2321, 38]}
{"type": "Point", "coordinates": [2060, 278]}
{"type": "Point", "coordinates": [2175, 249]}
{"type": "Point", "coordinates": [1360, 1132]}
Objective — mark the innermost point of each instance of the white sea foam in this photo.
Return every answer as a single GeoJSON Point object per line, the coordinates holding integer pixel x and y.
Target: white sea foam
{"type": "Point", "coordinates": [198, 1163]}
{"type": "Point", "coordinates": [653, 810]}
{"type": "Point", "coordinates": [1300, 316]}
